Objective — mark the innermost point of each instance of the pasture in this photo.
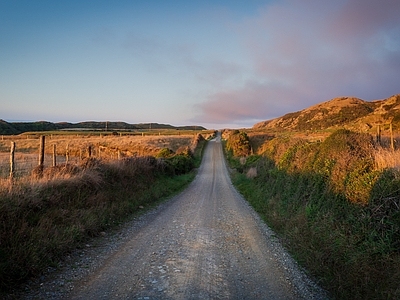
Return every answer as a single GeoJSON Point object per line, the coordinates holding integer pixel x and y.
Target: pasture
{"type": "Point", "coordinates": [73, 146]}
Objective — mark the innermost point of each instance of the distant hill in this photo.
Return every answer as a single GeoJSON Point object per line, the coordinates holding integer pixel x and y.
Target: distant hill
{"type": "Point", "coordinates": [7, 128]}
{"type": "Point", "coordinates": [345, 112]}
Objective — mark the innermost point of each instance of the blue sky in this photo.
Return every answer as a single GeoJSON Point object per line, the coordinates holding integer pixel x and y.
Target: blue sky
{"type": "Point", "coordinates": [212, 63]}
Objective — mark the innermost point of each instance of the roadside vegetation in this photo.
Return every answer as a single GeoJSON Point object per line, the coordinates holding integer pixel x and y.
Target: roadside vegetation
{"type": "Point", "coordinates": [335, 204]}
{"type": "Point", "coordinates": [49, 213]}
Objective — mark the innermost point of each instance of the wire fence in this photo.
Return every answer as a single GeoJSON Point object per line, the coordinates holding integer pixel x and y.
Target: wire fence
{"type": "Point", "coordinates": [20, 162]}
{"type": "Point", "coordinates": [20, 156]}
{"type": "Point", "coordinates": [25, 163]}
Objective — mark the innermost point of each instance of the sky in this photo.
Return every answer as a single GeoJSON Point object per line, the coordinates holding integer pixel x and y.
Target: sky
{"type": "Point", "coordinates": [218, 64]}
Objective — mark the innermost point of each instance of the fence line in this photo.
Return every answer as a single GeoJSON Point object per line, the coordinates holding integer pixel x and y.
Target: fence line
{"type": "Point", "coordinates": [17, 164]}
{"type": "Point", "coordinates": [40, 152]}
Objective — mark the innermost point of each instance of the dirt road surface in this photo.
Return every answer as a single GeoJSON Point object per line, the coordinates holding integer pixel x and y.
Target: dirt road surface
{"type": "Point", "coordinates": [206, 243]}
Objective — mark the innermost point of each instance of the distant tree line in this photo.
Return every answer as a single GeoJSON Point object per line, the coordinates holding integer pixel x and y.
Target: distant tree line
{"type": "Point", "coordinates": [21, 127]}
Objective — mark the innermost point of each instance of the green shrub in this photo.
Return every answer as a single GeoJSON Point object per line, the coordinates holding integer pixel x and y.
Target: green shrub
{"type": "Point", "coordinates": [238, 142]}
{"type": "Point", "coordinates": [181, 164]}
{"type": "Point", "coordinates": [164, 153]}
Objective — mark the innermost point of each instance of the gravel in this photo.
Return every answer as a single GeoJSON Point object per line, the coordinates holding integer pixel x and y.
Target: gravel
{"type": "Point", "coordinates": [206, 243]}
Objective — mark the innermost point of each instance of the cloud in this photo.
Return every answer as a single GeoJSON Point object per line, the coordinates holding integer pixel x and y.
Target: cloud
{"type": "Point", "coordinates": [252, 102]}
{"type": "Point", "coordinates": [305, 52]}
{"type": "Point", "coordinates": [359, 19]}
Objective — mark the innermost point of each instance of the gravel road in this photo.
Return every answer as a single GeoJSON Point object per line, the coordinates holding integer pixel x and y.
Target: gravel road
{"type": "Point", "coordinates": [206, 243]}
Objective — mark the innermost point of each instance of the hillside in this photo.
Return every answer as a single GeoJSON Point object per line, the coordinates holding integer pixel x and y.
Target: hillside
{"type": "Point", "coordinates": [21, 127]}
{"type": "Point", "coordinates": [344, 112]}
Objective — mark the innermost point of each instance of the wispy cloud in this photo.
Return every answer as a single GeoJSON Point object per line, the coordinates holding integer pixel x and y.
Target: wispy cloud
{"type": "Point", "coordinates": [304, 52]}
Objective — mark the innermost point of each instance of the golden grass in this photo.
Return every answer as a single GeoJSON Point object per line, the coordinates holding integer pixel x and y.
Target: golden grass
{"type": "Point", "coordinates": [383, 155]}
{"type": "Point", "coordinates": [75, 148]}
{"type": "Point", "coordinates": [386, 158]}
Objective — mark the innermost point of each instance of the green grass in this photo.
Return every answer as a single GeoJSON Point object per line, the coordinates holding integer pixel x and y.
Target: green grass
{"type": "Point", "coordinates": [345, 233]}
{"type": "Point", "coordinates": [337, 241]}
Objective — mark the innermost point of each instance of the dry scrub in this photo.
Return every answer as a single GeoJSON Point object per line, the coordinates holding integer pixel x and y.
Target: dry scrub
{"type": "Point", "coordinates": [386, 158]}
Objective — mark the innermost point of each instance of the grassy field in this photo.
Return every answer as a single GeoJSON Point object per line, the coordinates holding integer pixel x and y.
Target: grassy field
{"type": "Point", "coordinates": [335, 204]}
{"type": "Point", "coordinates": [74, 146]}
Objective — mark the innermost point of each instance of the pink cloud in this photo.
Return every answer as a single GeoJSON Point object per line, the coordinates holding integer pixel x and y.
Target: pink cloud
{"type": "Point", "coordinates": [253, 102]}
{"type": "Point", "coordinates": [358, 19]}
{"type": "Point", "coordinates": [305, 52]}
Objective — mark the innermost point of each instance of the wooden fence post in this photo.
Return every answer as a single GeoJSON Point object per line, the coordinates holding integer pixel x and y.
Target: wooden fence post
{"type": "Point", "coordinates": [12, 163]}
{"type": "Point", "coordinates": [54, 155]}
{"type": "Point", "coordinates": [90, 151]}
{"type": "Point", "coordinates": [378, 134]}
{"type": "Point", "coordinates": [41, 151]}
{"type": "Point", "coordinates": [67, 154]}
{"type": "Point", "coordinates": [391, 137]}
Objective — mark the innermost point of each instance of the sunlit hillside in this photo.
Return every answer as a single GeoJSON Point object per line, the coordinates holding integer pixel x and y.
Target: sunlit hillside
{"type": "Point", "coordinates": [344, 112]}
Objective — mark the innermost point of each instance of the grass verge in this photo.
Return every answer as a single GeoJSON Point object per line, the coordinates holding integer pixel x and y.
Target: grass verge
{"type": "Point", "coordinates": [351, 247]}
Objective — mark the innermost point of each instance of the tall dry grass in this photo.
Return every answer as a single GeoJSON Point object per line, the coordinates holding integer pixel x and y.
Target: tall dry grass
{"type": "Point", "coordinates": [386, 158]}
{"type": "Point", "coordinates": [75, 148]}
{"type": "Point", "coordinates": [129, 145]}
